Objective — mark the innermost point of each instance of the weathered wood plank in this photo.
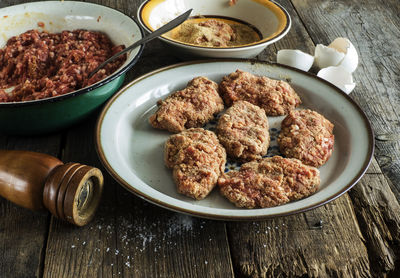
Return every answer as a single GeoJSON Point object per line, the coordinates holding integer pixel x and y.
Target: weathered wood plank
{"type": "Point", "coordinates": [7, 3]}
{"type": "Point", "coordinates": [81, 249]}
{"type": "Point", "coordinates": [374, 30]}
{"type": "Point", "coordinates": [161, 243]}
{"type": "Point", "coordinates": [378, 213]}
{"type": "Point", "coordinates": [371, 28]}
{"type": "Point", "coordinates": [324, 242]}
{"type": "Point", "coordinates": [132, 238]}
{"type": "Point", "coordinates": [23, 233]}
{"type": "Point", "coordinates": [297, 37]}
{"type": "Point", "coordinates": [22, 237]}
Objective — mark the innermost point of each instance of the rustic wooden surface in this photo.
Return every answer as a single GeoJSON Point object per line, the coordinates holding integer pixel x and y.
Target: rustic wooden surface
{"type": "Point", "coordinates": [357, 235]}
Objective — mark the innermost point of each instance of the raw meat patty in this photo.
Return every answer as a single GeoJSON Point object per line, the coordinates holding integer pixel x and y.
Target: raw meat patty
{"type": "Point", "coordinates": [243, 131]}
{"type": "Point", "coordinates": [191, 107]}
{"type": "Point", "coordinates": [307, 135]}
{"type": "Point", "coordinates": [197, 160]}
{"type": "Point", "coordinates": [276, 97]}
{"type": "Point", "coordinates": [269, 182]}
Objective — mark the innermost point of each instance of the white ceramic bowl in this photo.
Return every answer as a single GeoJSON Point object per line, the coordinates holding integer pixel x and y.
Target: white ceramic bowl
{"type": "Point", "coordinates": [271, 20]}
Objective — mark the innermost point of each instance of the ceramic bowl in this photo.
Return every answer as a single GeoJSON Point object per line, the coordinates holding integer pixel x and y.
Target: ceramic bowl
{"type": "Point", "coordinates": [268, 17]}
{"type": "Point", "coordinates": [50, 114]}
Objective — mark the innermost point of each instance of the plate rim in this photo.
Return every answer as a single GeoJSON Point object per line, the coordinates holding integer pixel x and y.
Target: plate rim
{"type": "Point", "coordinates": [166, 205]}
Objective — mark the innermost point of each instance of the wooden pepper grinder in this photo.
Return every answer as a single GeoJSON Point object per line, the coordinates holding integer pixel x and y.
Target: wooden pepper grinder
{"type": "Point", "coordinates": [39, 181]}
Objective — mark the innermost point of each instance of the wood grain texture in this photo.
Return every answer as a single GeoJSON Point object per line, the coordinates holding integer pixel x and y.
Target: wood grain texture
{"type": "Point", "coordinates": [371, 27]}
{"type": "Point", "coordinates": [161, 243]}
{"type": "Point", "coordinates": [378, 213]}
{"type": "Point", "coordinates": [320, 243]}
{"type": "Point", "coordinates": [374, 30]}
{"type": "Point", "coordinates": [357, 235]}
{"type": "Point", "coordinates": [23, 233]}
{"type": "Point", "coordinates": [131, 237]}
{"type": "Point", "coordinates": [83, 250]}
{"type": "Point", "coordinates": [297, 37]}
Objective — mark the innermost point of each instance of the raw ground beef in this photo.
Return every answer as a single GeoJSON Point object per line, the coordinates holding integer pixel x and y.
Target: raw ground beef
{"type": "Point", "coordinates": [42, 64]}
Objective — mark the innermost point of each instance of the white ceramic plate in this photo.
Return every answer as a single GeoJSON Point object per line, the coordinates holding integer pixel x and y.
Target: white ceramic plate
{"type": "Point", "coordinates": [132, 151]}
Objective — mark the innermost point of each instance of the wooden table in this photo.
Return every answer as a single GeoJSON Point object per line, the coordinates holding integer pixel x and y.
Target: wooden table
{"type": "Point", "coordinates": [357, 235]}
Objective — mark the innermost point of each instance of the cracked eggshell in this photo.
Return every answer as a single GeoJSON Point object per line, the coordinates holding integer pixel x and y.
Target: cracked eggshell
{"type": "Point", "coordinates": [341, 52]}
{"type": "Point", "coordinates": [350, 60]}
{"type": "Point", "coordinates": [338, 76]}
{"type": "Point", "coordinates": [326, 56]}
{"type": "Point", "coordinates": [295, 58]}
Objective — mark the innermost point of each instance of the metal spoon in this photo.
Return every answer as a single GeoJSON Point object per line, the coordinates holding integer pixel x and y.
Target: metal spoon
{"type": "Point", "coordinates": [167, 27]}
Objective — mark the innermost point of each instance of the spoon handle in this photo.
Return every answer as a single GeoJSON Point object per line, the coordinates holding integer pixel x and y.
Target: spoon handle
{"type": "Point", "coordinates": [165, 28]}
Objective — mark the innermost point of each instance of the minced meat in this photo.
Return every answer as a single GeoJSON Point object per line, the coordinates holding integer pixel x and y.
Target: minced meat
{"type": "Point", "coordinates": [308, 136]}
{"type": "Point", "coordinates": [193, 106]}
{"type": "Point", "coordinates": [243, 131]}
{"type": "Point", "coordinates": [42, 64]}
{"type": "Point", "coordinates": [269, 182]}
{"type": "Point", "coordinates": [197, 160]}
{"type": "Point", "coordinates": [276, 97]}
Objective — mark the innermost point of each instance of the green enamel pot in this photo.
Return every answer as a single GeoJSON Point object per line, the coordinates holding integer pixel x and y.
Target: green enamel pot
{"type": "Point", "coordinates": [55, 113]}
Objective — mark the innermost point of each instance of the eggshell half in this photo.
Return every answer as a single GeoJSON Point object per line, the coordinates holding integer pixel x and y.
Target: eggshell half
{"type": "Point", "coordinates": [350, 60]}
{"type": "Point", "coordinates": [295, 58]}
{"type": "Point", "coordinates": [327, 56]}
{"type": "Point", "coordinates": [338, 76]}
{"type": "Point", "coordinates": [341, 52]}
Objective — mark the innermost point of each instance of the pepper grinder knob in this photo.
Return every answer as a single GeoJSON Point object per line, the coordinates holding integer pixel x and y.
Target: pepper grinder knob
{"type": "Point", "coordinates": [72, 192]}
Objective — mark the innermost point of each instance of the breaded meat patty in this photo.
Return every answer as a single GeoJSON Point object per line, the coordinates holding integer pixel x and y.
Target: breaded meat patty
{"type": "Point", "coordinates": [243, 131]}
{"type": "Point", "coordinates": [197, 159]}
{"type": "Point", "coordinates": [191, 107]}
{"type": "Point", "coordinates": [276, 97]}
{"type": "Point", "coordinates": [269, 182]}
{"type": "Point", "coordinates": [308, 136]}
